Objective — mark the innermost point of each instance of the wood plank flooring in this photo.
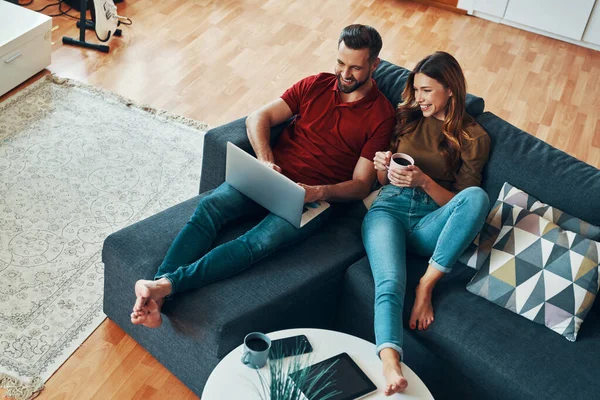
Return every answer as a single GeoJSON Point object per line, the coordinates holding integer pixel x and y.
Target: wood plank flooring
{"type": "Point", "coordinates": [217, 60]}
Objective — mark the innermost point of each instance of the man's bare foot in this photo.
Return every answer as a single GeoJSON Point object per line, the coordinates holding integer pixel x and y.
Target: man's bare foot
{"type": "Point", "coordinates": [422, 312]}
{"type": "Point", "coordinates": [151, 318]}
{"type": "Point", "coordinates": [396, 382]}
{"type": "Point", "coordinates": [142, 294]}
{"type": "Point", "coordinates": [150, 297]}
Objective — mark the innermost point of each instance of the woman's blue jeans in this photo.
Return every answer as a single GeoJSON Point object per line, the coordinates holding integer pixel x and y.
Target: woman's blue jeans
{"type": "Point", "coordinates": [406, 218]}
{"type": "Point", "coordinates": [190, 265]}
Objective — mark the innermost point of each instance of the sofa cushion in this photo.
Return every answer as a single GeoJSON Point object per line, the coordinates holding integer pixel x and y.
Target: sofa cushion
{"type": "Point", "coordinates": [517, 197]}
{"type": "Point", "coordinates": [391, 80]}
{"type": "Point", "coordinates": [539, 169]}
{"type": "Point", "coordinates": [509, 355]}
{"type": "Point", "coordinates": [541, 272]}
{"type": "Point", "coordinates": [477, 254]}
{"type": "Point", "coordinates": [295, 287]}
{"type": "Point", "coordinates": [355, 317]}
{"type": "Point", "coordinates": [502, 355]}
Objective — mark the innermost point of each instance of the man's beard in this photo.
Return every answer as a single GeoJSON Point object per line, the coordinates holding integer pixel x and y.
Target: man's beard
{"type": "Point", "coordinates": [352, 87]}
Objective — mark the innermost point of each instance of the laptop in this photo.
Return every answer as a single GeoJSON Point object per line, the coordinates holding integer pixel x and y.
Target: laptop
{"type": "Point", "coordinates": [269, 188]}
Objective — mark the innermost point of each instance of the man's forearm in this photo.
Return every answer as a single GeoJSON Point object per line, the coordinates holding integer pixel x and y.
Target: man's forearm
{"type": "Point", "coordinates": [258, 128]}
{"type": "Point", "coordinates": [354, 189]}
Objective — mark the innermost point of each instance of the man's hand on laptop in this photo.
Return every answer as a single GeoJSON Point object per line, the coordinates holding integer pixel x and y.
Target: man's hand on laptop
{"type": "Point", "coordinates": [271, 165]}
{"type": "Point", "coordinates": [313, 193]}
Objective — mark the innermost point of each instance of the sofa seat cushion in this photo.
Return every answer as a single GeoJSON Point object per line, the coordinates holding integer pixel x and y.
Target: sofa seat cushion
{"type": "Point", "coordinates": [498, 351]}
{"type": "Point", "coordinates": [296, 286]}
{"type": "Point", "coordinates": [507, 354]}
{"type": "Point", "coordinates": [444, 380]}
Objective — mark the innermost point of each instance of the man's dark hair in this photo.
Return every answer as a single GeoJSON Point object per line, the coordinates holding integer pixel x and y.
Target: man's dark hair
{"type": "Point", "coordinates": [358, 37]}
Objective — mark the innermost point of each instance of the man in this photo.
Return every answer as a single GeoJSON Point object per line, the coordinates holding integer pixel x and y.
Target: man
{"type": "Point", "coordinates": [341, 121]}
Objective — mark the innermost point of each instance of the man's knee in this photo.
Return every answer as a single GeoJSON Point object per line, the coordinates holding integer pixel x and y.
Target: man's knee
{"type": "Point", "coordinates": [271, 234]}
{"type": "Point", "coordinates": [261, 245]}
{"type": "Point", "coordinates": [225, 192]}
{"type": "Point", "coordinates": [219, 200]}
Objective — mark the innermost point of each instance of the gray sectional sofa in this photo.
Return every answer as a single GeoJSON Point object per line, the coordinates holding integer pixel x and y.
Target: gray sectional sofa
{"type": "Point", "coordinates": [475, 349]}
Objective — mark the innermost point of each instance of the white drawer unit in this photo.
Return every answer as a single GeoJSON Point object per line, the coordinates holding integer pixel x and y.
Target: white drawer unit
{"type": "Point", "coordinates": [564, 18]}
{"type": "Point", "coordinates": [592, 32]}
{"type": "Point", "coordinates": [494, 8]}
{"type": "Point", "coordinates": [574, 21]}
{"type": "Point", "coordinates": [25, 44]}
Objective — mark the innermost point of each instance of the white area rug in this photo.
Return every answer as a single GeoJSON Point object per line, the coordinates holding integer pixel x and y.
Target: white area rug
{"type": "Point", "coordinates": [76, 164]}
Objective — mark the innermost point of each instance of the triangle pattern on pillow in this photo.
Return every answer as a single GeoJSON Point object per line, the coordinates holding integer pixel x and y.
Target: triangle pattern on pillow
{"type": "Point", "coordinates": [538, 270]}
{"type": "Point", "coordinates": [565, 300]}
{"type": "Point", "coordinates": [536, 298]}
{"type": "Point", "coordinates": [533, 254]}
{"type": "Point", "coordinates": [588, 281]}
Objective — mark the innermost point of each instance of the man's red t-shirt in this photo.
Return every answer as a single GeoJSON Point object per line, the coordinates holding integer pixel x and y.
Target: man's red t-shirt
{"type": "Point", "coordinates": [327, 137]}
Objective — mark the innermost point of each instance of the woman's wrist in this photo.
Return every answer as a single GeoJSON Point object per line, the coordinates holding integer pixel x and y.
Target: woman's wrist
{"type": "Point", "coordinates": [426, 185]}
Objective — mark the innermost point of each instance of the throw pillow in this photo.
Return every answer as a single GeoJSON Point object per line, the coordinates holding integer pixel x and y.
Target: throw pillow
{"type": "Point", "coordinates": [540, 271]}
{"type": "Point", "coordinates": [517, 197]}
{"type": "Point", "coordinates": [477, 254]}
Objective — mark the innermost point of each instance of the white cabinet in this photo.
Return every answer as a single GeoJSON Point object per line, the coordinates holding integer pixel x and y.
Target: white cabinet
{"type": "Point", "coordinates": [491, 7]}
{"type": "Point", "coordinates": [573, 21]}
{"type": "Point", "coordinates": [564, 18]}
{"type": "Point", "coordinates": [592, 32]}
{"type": "Point", "coordinates": [25, 44]}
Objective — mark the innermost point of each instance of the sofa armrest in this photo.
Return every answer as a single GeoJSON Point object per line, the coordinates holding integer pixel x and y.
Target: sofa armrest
{"type": "Point", "coordinates": [215, 150]}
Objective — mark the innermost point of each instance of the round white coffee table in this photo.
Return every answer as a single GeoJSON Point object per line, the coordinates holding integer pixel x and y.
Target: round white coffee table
{"type": "Point", "coordinates": [233, 380]}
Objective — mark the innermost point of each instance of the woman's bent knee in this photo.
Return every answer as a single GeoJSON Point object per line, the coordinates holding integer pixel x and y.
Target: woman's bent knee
{"type": "Point", "coordinates": [477, 198]}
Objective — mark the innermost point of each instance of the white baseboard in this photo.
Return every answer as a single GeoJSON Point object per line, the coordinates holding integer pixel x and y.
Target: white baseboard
{"type": "Point", "coordinates": [489, 17]}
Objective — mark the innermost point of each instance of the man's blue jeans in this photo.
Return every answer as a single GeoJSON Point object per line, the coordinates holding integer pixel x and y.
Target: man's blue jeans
{"type": "Point", "coordinates": [402, 218]}
{"type": "Point", "coordinates": [190, 265]}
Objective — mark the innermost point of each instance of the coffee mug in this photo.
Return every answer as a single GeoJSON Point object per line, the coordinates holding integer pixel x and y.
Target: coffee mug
{"type": "Point", "coordinates": [400, 161]}
{"type": "Point", "coordinates": [256, 350]}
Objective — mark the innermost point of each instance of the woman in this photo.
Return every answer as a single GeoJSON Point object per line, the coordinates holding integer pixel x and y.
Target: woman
{"type": "Point", "coordinates": [434, 208]}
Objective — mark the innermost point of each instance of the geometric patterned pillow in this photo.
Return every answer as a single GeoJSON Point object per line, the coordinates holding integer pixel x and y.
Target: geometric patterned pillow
{"type": "Point", "coordinates": [517, 197]}
{"type": "Point", "coordinates": [477, 254]}
{"type": "Point", "coordinates": [540, 271]}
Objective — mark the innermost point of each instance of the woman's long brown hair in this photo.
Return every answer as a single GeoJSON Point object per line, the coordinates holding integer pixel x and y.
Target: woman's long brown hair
{"type": "Point", "coordinates": [444, 68]}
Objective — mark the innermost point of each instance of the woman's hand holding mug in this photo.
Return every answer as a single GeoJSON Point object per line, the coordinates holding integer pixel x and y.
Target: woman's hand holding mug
{"type": "Point", "coordinates": [410, 176]}
{"type": "Point", "coordinates": [382, 160]}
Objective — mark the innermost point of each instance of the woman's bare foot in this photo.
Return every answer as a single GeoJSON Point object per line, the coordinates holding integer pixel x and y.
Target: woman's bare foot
{"type": "Point", "coordinates": [422, 312]}
{"type": "Point", "coordinates": [150, 297]}
{"type": "Point", "coordinates": [392, 371]}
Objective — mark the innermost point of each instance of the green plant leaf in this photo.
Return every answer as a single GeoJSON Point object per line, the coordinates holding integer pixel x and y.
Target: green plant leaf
{"type": "Point", "coordinates": [315, 380]}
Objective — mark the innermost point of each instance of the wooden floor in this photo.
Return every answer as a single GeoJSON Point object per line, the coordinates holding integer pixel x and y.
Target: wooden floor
{"type": "Point", "coordinates": [217, 60]}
